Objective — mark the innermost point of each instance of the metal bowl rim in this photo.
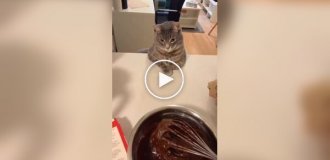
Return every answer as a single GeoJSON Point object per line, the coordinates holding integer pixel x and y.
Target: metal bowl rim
{"type": "Point", "coordinates": [143, 118]}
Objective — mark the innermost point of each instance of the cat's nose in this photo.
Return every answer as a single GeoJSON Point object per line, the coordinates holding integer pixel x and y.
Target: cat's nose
{"type": "Point", "coordinates": [167, 46]}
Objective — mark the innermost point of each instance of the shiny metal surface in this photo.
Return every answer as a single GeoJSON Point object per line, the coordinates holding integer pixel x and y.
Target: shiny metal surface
{"type": "Point", "coordinates": [176, 110]}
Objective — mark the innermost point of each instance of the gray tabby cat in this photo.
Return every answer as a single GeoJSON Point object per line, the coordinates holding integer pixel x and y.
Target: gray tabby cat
{"type": "Point", "coordinates": [168, 44]}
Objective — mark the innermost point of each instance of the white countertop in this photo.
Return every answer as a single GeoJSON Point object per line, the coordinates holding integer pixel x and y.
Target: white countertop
{"type": "Point", "coordinates": [131, 100]}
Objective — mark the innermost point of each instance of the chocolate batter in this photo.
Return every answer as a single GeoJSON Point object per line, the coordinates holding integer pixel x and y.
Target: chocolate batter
{"type": "Point", "coordinates": [169, 137]}
{"type": "Point", "coordinates": [172, 139]}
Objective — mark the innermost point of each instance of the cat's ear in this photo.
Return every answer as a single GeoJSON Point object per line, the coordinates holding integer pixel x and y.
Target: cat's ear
{"type": "Point", "coordinates": [176, 27]}
{"type": "Point", "coordinates": [157, 28]}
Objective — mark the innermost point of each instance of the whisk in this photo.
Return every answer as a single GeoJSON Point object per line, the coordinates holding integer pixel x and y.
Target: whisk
{"type": "Point", "coordinates": [180, 139]}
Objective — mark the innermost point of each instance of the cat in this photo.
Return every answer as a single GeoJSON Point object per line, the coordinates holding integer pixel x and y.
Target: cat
{"type": "Point", "coordinates": [168, 45]}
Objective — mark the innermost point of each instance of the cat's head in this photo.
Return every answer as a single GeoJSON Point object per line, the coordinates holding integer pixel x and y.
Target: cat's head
{"type": "Point", "coordinates": [168, 35]}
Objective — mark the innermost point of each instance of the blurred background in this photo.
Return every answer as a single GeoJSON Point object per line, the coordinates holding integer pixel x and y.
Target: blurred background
{"type": "Point", "coordinates": [273, 78]}
{"type": "Point", "coordinates": [55, 80]}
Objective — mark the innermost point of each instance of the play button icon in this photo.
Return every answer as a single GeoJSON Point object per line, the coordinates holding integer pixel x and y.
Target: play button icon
{"type": "Point", "coordinates": [163, 86]}
{"type": "Point", "coordinates": [163, 79]}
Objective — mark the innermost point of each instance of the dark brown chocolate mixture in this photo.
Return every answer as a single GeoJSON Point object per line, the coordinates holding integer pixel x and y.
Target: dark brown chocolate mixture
{"type": "Point", "coordinates": [164, 142]}
{"type": "Point", "coordinates": [176, 139]}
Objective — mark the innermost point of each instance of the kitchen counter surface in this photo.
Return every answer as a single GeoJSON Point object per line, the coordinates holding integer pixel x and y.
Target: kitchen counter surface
{"type": "Point", "coordinates": [131, 100]}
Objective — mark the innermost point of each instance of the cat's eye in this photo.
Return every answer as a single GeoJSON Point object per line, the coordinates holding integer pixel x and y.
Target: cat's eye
{"type": "Point", "coordinates": [162, 40]}
{"type": "Point", "coordinates": [172, 40]}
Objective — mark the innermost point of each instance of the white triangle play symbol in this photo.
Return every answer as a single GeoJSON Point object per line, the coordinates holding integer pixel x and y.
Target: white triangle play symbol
{"type": "Point", "coordinates": [163, 79]}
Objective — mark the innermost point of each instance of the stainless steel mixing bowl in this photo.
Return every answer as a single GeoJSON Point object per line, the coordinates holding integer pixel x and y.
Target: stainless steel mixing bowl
{"type": "Point", "coordinates": [146, 122]}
